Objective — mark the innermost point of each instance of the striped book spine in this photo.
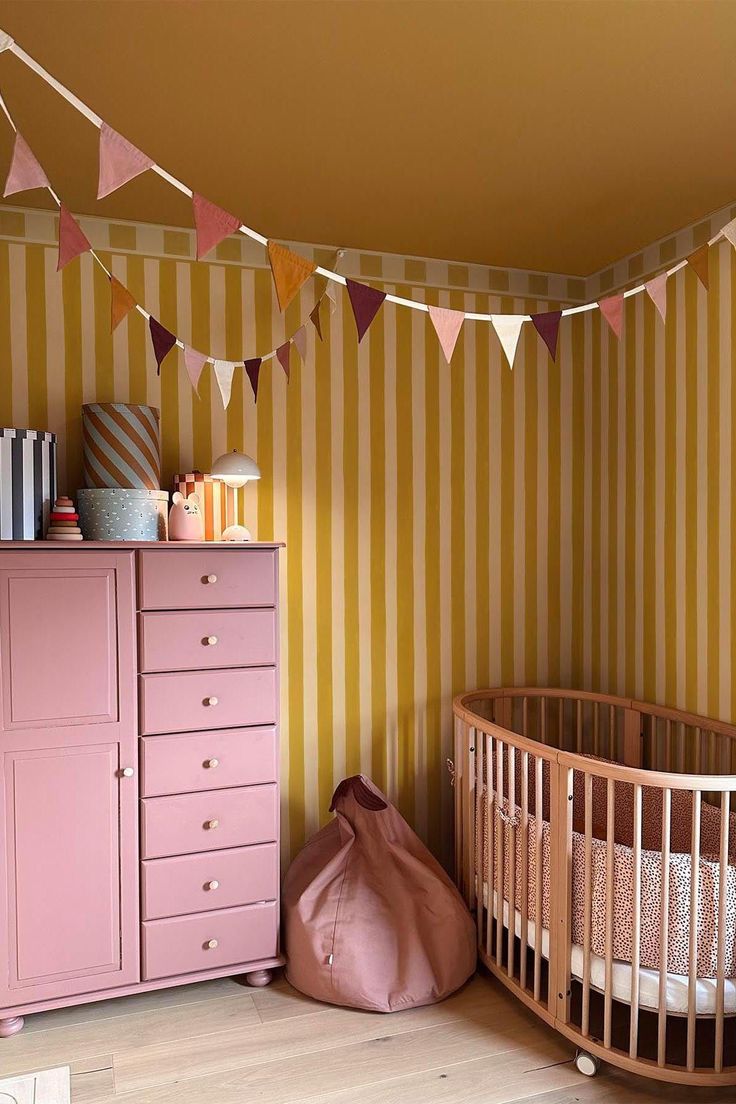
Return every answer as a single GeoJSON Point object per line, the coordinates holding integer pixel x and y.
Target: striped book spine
{"type": "Point", "coordinates": [216, 499]}
{"type": "Point", "coordinates": [27, 482]}
{"type": "Point", "coordinates": [121, 446]}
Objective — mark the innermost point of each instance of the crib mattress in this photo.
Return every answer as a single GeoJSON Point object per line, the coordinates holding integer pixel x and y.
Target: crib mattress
{"type": "Point", "coordinates": [677, 988]}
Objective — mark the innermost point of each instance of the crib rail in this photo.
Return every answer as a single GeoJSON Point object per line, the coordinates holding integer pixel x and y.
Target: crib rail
{"type": "Point", "coordinates": [550, 841]}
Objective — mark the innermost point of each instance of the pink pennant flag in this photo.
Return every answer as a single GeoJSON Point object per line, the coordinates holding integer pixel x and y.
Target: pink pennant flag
{"type": "Point", "coordinates": [366, 302]}
{"type": "Point", "coordinates": [547, 326]}
{"type": "Point", "coordinates": [194, 362]}
{"type": "Point", "coordinates": [72, 240]}
{"type": "Point", "coordinates": [612, 310]}
{"type": "Point", "coordinates": [657, 291]}
{"type": "Point", "coordinates": [120, 161]}
{"type": "Point", "coordinates": [162, 340]}
{"type": "Point", "coordinates": [253, 368]}
{"type": "Point", "coordinates": [25, 173]}
{"type": "Point", "coordinates": [300, 340]}
{"type": "Point", "coordinates": [212, 223]}
{"type": "Point", "coordinates": [224, 372]}
{"type": "Point", "coordinates": [447, 324]}
{"type": "Point", "coordinates": [283, 356]}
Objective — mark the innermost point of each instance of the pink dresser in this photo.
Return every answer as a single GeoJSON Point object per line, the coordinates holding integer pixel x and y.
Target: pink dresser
{"type": "Point", "coordinates": [139, 798]}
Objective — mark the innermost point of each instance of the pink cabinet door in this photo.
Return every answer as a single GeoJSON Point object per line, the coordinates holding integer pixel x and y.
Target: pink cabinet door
{"type": "Point", "coordinates": [68, 815]}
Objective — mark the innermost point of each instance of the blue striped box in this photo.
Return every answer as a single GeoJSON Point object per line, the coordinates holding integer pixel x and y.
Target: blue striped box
{"type": "Point", "coordinates": [27, 482]}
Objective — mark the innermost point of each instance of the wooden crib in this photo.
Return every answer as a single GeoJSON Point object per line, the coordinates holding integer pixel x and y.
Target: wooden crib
{"type": "Point", "coordinates": [573, 808]}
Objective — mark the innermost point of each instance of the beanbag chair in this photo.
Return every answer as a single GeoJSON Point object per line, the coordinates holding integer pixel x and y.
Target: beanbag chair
{"type": "Point", "coordinates": [371, 920]}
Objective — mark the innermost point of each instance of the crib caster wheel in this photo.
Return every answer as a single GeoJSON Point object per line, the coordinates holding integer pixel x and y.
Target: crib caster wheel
{"type": "Point", "coordinates": [586, 1063]}
{"type": "Point", "coordinates": [258, 978]}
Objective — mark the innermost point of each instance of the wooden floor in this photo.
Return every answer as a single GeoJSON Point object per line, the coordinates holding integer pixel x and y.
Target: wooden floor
{"type": "Point", "coordinates": [222, 1043]}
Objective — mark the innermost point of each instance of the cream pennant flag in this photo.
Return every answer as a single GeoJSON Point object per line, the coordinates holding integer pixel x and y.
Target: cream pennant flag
{"type": "Point", "coordinates": [25, 172]}
{"type": "Point", "coordinates": [657, 291]}
{"type": "Point", "coordinates": [447, 324]}
{"type": "Point", "coordinates": [508, 328]}
{"type": "Point", "coordinates": [224, 371]}
{"type": "Point", "coordinates": [194, 362]}
{"type": "Point", "coordinates": [729, 231]}
{"type": "Point", "coordinates": [120, 161]}
{"type": "Point", "coordinates": [300, 340]}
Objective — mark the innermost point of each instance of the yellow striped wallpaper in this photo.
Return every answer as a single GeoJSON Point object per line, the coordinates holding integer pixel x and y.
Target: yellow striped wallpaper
{"type": "Point", "coordinates": [445, 527]}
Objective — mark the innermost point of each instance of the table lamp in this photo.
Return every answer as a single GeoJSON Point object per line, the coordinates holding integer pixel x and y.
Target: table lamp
{"type": "Point", "coordinates": [235, 469]}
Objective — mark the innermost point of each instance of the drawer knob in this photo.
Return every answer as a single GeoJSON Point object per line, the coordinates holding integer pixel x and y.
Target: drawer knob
{"type": "Point", "coordinates": [214, 884]}
{"type": "Point", "coordinates": [127, 772]}
{"type": "Point", "coordinates": [210, 824]}
{"type": "Point", "coordinates": [211, 701]}
{"type": "Point", "coordinates": [211, 763]}
{"type": "Point", "coordinates": [210, 944]}
{"type": "Point", "coordinates": [210, 579]}
{"type": "Point", "coordinates": [211, 640]}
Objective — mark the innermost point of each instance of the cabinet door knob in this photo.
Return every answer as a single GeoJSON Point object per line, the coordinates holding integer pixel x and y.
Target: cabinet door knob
{"type": "Point", "coordinates": [211, 640]}
{"type": "Point", "coordinates": [211, 701]}
{"type": "Point", "coordinates": [209, 824]}
{"type": "Point", "coordinates": [210, 579]}
{"type": "Point", "coordinates": [214, 884]}
{"type": "Point", "coordinates": [127, 772]}
{"type": "Point", "coordinates": [211, 944]}
{"type": "Point", "coordinates": [211, 763]}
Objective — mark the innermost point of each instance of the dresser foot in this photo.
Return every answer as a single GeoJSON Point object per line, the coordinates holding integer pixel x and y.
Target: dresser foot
{"type": "Point", "coordinates": [11, 1026]}
{"type": "Point", "coordinates": [259, 978]}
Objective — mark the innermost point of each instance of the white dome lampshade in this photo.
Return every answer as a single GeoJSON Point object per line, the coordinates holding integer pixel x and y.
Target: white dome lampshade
{"type": "Point", "coordinates": [235, 469]}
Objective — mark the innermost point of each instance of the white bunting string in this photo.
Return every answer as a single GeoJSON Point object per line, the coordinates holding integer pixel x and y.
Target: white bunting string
{"type": "Point", "coordinates": [8, 43]}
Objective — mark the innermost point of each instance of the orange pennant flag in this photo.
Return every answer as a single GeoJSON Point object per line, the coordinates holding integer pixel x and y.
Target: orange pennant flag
{"type": "Point", "coordinates": [698, 261]}
{"type": "Point", "coordinates": [289, 270]}
{"type": "Point", "coordinates": [122, 303]}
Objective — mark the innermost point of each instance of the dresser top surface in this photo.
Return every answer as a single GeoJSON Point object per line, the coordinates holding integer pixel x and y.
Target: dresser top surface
{"type": "Point", "coordinates": [129, 546]}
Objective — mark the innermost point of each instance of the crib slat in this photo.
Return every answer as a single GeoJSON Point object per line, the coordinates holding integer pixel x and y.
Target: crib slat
{"type": "Point", "coordinates": [538, 851]}
{"type": "Point", "coordinates": [480, 851]}
{"type": "Point", "coordinates": [458, 802]}
{"type": "Point", "coordinates": [490, 866]}
{"type": "Point", "coordinates": [470, 819]}
{"type": "Point", "coordinates": [500, 844]}
{"type": "Point", "coordinates": [635, 927]}
{"type": "Point", "coordinates": [511, 851]}
{"type": "Point", "coordinates": [610, 827]}
{"type": "Point", "coordinates": [588, 903]}
{"type": "Point", "coordinates": [664, 927]}
{"type": "Point", "coordinates": [721, 952]}
{"type": "Point", "coordinates": [524, 866]}
{"type": "Point", "coordinates": [693, 962]}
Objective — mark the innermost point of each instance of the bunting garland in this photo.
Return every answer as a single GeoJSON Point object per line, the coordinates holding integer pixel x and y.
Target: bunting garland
{"type": "Point", "coordinates": [120, 161]}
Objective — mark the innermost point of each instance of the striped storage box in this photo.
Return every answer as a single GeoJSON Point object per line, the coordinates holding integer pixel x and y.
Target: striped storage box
{"type": "Point", "coordinates": [217, 500]}
{"type": "Point", "coordinates": [27, 482]}
{"type": "Point", "coordinates": [121, 446]}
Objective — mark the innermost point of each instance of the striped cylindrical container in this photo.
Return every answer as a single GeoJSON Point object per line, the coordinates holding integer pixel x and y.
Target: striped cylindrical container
{"type": "Point", "coordinates": [121, 446]}
{"type": "Point", "coordinates": [216, 499]}
{"type": "Point", "coordinates": [27, 482]}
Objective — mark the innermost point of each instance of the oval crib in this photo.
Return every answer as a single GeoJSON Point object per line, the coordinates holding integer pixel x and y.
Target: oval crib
{"type": "Point", "coordinates": [579, 820]}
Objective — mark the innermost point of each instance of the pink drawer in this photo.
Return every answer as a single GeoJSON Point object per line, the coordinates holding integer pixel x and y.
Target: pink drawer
{"type": "Point", "coordinates": [206, 821]}
{"type": "Point", "coordinates": [191, 640]}
{"type": "Point", "coordinates": [196, 700]}
{"type": "Point", "coordinates": [180, 945]}
{"type": "Point", "coordinates": [208, 761]}
{"type": "Point", "coordinates": [206, 578]}
{"type": "Point", "coordinates": [199, 883]}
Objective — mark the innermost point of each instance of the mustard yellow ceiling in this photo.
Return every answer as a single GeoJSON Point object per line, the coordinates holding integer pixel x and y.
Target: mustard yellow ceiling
{"type": "Point", "coordinates": [543, 134]}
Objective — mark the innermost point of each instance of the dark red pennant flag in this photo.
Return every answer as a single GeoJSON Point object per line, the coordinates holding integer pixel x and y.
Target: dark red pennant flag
{"type": "Point", "coordinates": [163, 341]}
{"type": "Point", "coordinates": [253, 368]}
{"type": "Point", "coordinates": [366, 302]}
{"type": "Point", "coordinates": [547, 326]}
{"type": "Point", "coordinates": [316, 320]}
